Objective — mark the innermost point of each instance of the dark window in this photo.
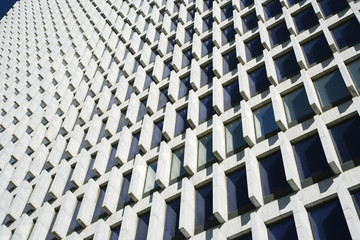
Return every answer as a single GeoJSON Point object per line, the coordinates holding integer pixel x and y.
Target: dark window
{"type": "Point", "coordinates": [150, 184]}
{"type": "Point", "coordinates": [177, 165]}
{"type": "Point", "coordinates": [235, 141]}
{"type": "Point", "coordinates": [346, 138]}
{"type": "Point", "coordinates": [250, 21]}
{"type": "Point", "coordinates": [279, 34]}
{"type": "Point", "coordinates": [75, 225]}
{"type": "Point", "coordinates": [287, 66]}
{"type": "Point", "coordinates": [134, 146]}
{"type": "Point", "coordinates": [172, 220]}
{"type": "Point", "coordinates": [273, 176]}
{"type": "Point", "coordinates": [130, 90]}
{"type": "Point", "coordinates": [244, 237]}
{"type": "Point", "coordinates": [232, 96]}
{"type": "Point", "coordinates": [305, 152]}
{"type": "Point", "coordinates": [115, 232]}
{"type": "Point", "coordinates": [207, 74]}
{"type": "Point", "coordinates": [206, 156]}
{"type": "Point", "coordinates": [265, 125]}
{"type": "Point", "coordinates": [331, 7]}
{"type": "Point", "coordinates": [317, 50]}
{"type": "Point", "coordinates": [187, 57]}
{"type": "Point", "coordinates": [328, 222]}
{"type": "Point", "coordinates": [157, 135]}
{"type": "Point", "coordinates": [292, 2]}
{"type": "Point", "coordinates": [227, 12]}
{"type": "Point", "coordinates": [185, 86]}
{"type": "Point", "coordinates": [258, 81]}
{"type": "Point", "coordinates": [112, 160]}
{"type": "Point", "coordinates": [99, 211]}
{"type": "Point", "coordinates": [228, 34]}
{"type": "Point", "coordinates": [230, 61]}
{"type": "Point", "coordinates": [91, 173]}
{"type": "Point", "coordinates": [272, 9]}
{"type": "Point", "coordinates": [174, 23]}
{"type": "Point", "coordinates": [306, 19]}
{"type": "Point", "coordinates": [331, 89]}
{"type": "Point", "coordinates": [347, 34]}
{"type": "Point", "coordinates": [283, 230]}
{"type": "Point", "coordinates": [208, 23]}
{"type": "Point", "coordinates": [356, 197]}
{"type": "Point", "coordinates": [254, 48]}
{"type": "Point", "coordinates": [148, 80]}
{"type": "Point", "coordinates": [50, 235]}
{"type": "Point", "coordinates": [297, 107]}
{"type": "Point", "coordinates": [171, 44]}
{"type": "Point", "coordinates": [167, 69]}
{"type": "Point", "coordinates": [154, 53]}
{"type": "Point", "coordinates": [142, 228]}
{"type": "Point", "coordinates": [163, 99]}
{"type": "Point", "coordinates": [246, 3]}
{"type": "Point", "coordinates": [237, 187]}
{"type": "Point", "coordinates": [354, 69]}
{"type": "Point", "coordinates": [124, 197]}
{"type": "Point", "coordinates": [208, 4]}
{"type": "Point", "coordinates": [181, 123]}
{"type": "Point", "coordinates": [207, 46]}
{"type": "Point", "coordinates": [204, 217]}
{"type": "Point", "coordinates": [189, 34]}
{"type": "Point", "coordinates": [142, 110]}
{"type": "Point", "coordinates": [206, 109]}
{"type": "Point", "coordinates": [191, 14]}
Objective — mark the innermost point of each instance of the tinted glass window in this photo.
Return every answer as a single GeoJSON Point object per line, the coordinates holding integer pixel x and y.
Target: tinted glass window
{"type": "Point", "coordinates": [181, 123]}
{"type": "Point", "coordinates": [230, 61]}
{"type": "Point", "coordinates": [347, 34]}
{"type": "Point", "coordinates": [206, 109]}
{"type": "Point", "coordinates": [279, 34]}
{"type": "Point", "coordinates": [142, 228]}
{"type": "Point", "coordinates": [287, 66]}
{"type": "Point", "coordinates": [228, 34]}
{"type": "Point", "coordinates": [330, 7]}
{"type": "Point", "coordinates": [205, 153]}
{"type": "Point", "coordinates": [250, 21]}
{"type": "Point", "coordinates": [272, 9]}
{"type": "Point", "coordinates": [283, 230]}
{"type": "Point", "coordinates": [305, 19]}
{"type": "Point", "coordinates": [232, 96]}
{"type": "Point", "coordinates": [234, 137]}
{"type": "Point", "coordinates": [317, 50]}
{"type": "Point", "coordinates": [254, 48]}
{"type": "Point", "coordinates": [297, 107]}
{"type": "Point", "coordinates": [354, 69]}
{"type": "Point", "coordinates": [258, 81]}
{"type": "Point", "coordinates": [265, 121]}
{"type": "Point", "coordinates": [207, 74]}
{"type": "Point", "coordinates": [227, 12]}
{"type": "Point", "coordinates": [207, 46]}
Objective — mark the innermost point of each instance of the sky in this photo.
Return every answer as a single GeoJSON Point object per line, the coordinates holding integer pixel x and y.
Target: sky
{"type": "Point", "coordinates": [5, 5]}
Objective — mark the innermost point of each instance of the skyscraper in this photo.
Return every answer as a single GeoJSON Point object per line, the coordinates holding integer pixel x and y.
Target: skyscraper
{"type": "Point", "coordinates": [154, 119]}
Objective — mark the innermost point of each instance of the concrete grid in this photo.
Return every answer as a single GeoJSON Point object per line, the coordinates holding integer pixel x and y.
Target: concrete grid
{"type": "Point", "coordinates": [75, 80]}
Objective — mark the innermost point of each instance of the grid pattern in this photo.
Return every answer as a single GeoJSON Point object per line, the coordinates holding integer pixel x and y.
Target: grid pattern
{"type": "Point", "coordinates": [154, 119]}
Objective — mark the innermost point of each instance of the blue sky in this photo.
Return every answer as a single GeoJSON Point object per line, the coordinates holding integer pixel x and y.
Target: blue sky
{"type": "Point", "coordinates": [5, 5]}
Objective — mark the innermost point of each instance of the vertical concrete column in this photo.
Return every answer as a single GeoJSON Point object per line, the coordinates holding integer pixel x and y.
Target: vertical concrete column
{"type": "Point", "coordinates": [20, 200]}
{"type": "Point", "coordinates": [197, 47]}
{"type": "Point", "coordinates": [159, 66]}
{"type": "Point", "coordinates": [187, 208]}
{"type": "Point", "coordinates": [57, 151]}
{"type": "Point", "coordinates": [247, 119]}
{"type": "Point", "coordinates": [279, 109]}
{"type": "Point", "coordinates": [264, 36]}
{"type": "Point", "coordinates": [146, 54]}
{"type": "Point", "coordinates": [139, 81]}
{"type": "Point", "coordinates": [38, 160]}
{"type": "Point", "coordinates": [240, 49]}
{"type": "Point", "coordinates": [137, 182]}
{"type": "Point", "coordinates": [174, 86]}
{"type": "Point", "coordinates": [113, 120]}
{"type": "Point", "coordinates": [180, 34]}
{"type": "Point", "coordinates": [169, 120]}
{"type": "Point", "coordinates": [121, 91]}
{"type": "Point", "coordinates": [177, 57]}
{"type": "Point", "coordinates": [193, 109]}
{"type": "Point", "coordinates": [216, 12]}
{"type": "Point", "coordinates": [66, 212]}
{"type": "Point", "coordinates": [157, 217]}
{"type": "Point", "coordinates": [87, 109]}
{"type": "Point", "coordinates": [217, 65]}
{"type": "Point", "coordinates": [135, 42]}
{"type": "Point", "coordinates": [218, 96]}
{"type": "Point", "coordinates": [346, 75]}
{"type": "Point", "coordinates": [244, 83]}
{"type": "Point", "coordinates": [151, 31]}
{"type": "Point", "coordinates": [253, 178]}
{"type": "Point", "coordinates": [198, 22]}
{"type": "Point", "coordinates": [21, 170]}
{"type": "Point", "coordinates": [40, 190]}
{"type": "Point", "coordinates": [258, 228]}
{"type": "Point", "coordinates": [5, 233]}
{"type": "Point", "coordinates": [102, 230]}
{"type": "Point", "coordinates": [104, 100]}
{"type": "Point", "coordinates": [182, 14]}
{"type": "Point", "coordinates": [301, 218]}
{"type": "Point", "coordinates": [153, 99]}
{"type": "Point", "coordinates": [94, 131]}
{"type": "Point", "coordinates": [164, 165]}
{"type": "Point", "coordinates": [238, 23]}
{"type": "Point", "coordinates": [133, 109]}
{"type": "Point", "coordinates": [190, 152]}
{"type": "Point", "coordinates": [195, 75]}
{"type": "Point", "coordinates": [311, 92]}
{"type": "Point", "coordinates": [220, 206]}
{"type": "Point", "coordinates": [129, 64]}
{"type": "Point", "coordinates": [102, 157]}
{"type": "Point", "coordinates": [23, 228]}
{"type": "Point", "coordinates": [113, 191]}
{"type": "Point", "coordinates": [270, 68]}
{"type": "Point", "coordinates": [218, 143]}
{"type": "Point", "coordinates": [75, 141]}
{"type": "Point", "coordinates": [146, 134]}
{"type": "Point", "coordinates": [128, 224]}
{"type": "Point", "coordinates": [259, 11]}
{"type": "Point", "coordinates": [217, 35]}
{"type": "Point", "coordinates": [43, 222]}
{"type": "Point", "coordinates": [163, 44]}
{"type": "Point", "coordinates": [70, 118]}
{"type": "Point", "coordinates": [81, 168]}
{"type": "Point", "coordinates": [60, 180]}
{"type": "Point", "coordinates": [166, 26]}
{"type": "Point", "coordinates": [88, 203]}
{"type": "Point", "coordinates": [298, 53]}
{"type": "Point", "coordinates": [124, 145]}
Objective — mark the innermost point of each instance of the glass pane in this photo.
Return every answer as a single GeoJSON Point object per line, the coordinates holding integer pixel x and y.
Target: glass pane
{"type": "Point", "coordinates": [354, 69]}
{"type": "Point", "coordinates": [234, 136]}
{"type": "Point", "coordinates": [287, 66]}
{"type": "Point", "coordinates": [347, 34]}
{"type": "Point", "coordinates": [142, 228]}
{"type": "Point", "coordinates": [272, 9]}
{"type": "Point", "coordinates": [258, 81]}
{"type": "Point", "coordinates": [317, 50]}
{"type": "Point", "coordinates": [232, 96]}
{"type": "Point", "coordinates": [150, 177]}
{"type": "Point", "coordinates": [205, 154]}
{"type": "Point", "coordinates": [297, 105]}
{"type": "Point", "coordinates": [228, 34]}
{"type": "Point", "coordinates": [206, 110]}
{"type": "Point", "coordinates": [237, 190]}
{"type": "Point", "coordinates": [250, 21]}
{"type": "Point", "coordinates": [279, 34]}
{"type": "Point", "coordinates": [172, 220]}
{"type": "Point", "coordinates": [177, 168]}
{"type": "Point", "coordinates": [330, 7]}
{"type": "Point", "coordinates": [204, 200]}
{"type": "Point", "coordinates": [254, 48]}
{"type": "Point", "coordinates": [207, 74]}
{"type": "Point", "coordinates": [283, 230]}
{"type": "Point", "coordinates": [230, 61]}
{"type": "Point", "coordinates": [265, 121]}
{"type": "Point", "coordinates": [181, 123]}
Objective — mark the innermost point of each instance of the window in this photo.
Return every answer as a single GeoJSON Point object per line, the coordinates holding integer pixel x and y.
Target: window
{"type": "Point", "coordinates": [167, 69]}
{"type": "Point", "coordinates": [228, 34]}
{"type": "Point", "coordinates": [254, 48]}
{"type": "Point", "coordinates": [142, 228]}
{"type": "Point", "coordinates": [235, 141]}
{"type": "Point", "coordinates": [172, 220]}
{"type": "Point", "coordinates": [150, 183]}
{"type": "Point", "coordinates": [189, 34]}
{"type": "Point", "coordinates": [328, 221]}
{"type": "Point", "coordinates": [154, 53]}
{"type": "Point", "coordinates": [347, 34]}
{"type": "Point", "coordinates": [246, 3]}
{"type": "Point", "coordinates": [177, 169]}
{"type": "Point", "coordinates": [265, 124]}
{"type": "Point", "coordinates": [272, 9]}
{"type": "Point", "coordinates": [206, 109]}
{"type": "Point", "coordinates": [208, 23]}
{"type": "Point", "coordinates": [227, 12]}
{"type": "Point", "coordinates": [250, 21]}
{"type": "Point", "coordinates": [99, 212]}
{"type": "Point", "coordinates": [283, 229]}
{"type": "Point", "coordinates": [207, 74]}
{"type": "Point", "coordinates": [305, 152]}
{"type": "Point", "coordinates": [148, 80]}
{"type": "Point", "coordinates": [91, 173]}
{"type": "Point", "coordinates": [187, 57]}
{"type": "Point", "coordinates": [115, 232]}
{"type": "Point", "coordinates": [130, 90]}
{"type": "Point", "coordinates": [232, 96]}
{"type": "Point", "coordinates": [134, 149]}
{"type": "Point", "coordinates": [317, 50]}
{"type": "Point", "coordinates": [305, 19]}
{"type": "Point", "coordinates": [292, 2]}
{"type": "Point", "coordinates": [207, 46]}
{"type": "Point", "coordinates": [297, 107]}
{"type": "Point", "coordinates": [74, 224]}
{"type": "Point", "coordinates": [112, 160]}
{"type": "Point", "coordinates": [142, 110]}
{"type": "Point", "coordinates": [181, 123]}
{"type": "Point", "coordinates": [230, 61]}
{"type": "Point", "coordinates": [331, 7]}
{"type": "Point", "coordinates": [354, 69]}
{"type": "Point", "coordinates": [356, 197]}
{"type": "Point", "coordinates": [124, 198]}
{"type": "Point", "coordinates": [204, 217]}
{"type": "Point", "coordinates": [171, 44]}
{"type": "Point", "coordinates": [185, 86]}
{"type": "Point", "coordinates": [346, 138]}
{"type": "Point", "coordinates": [208, 4]}
{"type": "Point", "coordinates": [279, 34]}
{"type": "Point", "coordinates": [287, 66]}
{"type": "Point", "coordinates": [174, 23]}
{"type": "Point", "coordinates": [163, 98]}
{"type": "Point", "coordinates": [331, 89]}
{"type": "Point", "coordinates": [237, 188]}
{"type": "Point", "coordinates": [191, 14]}
{"type": "Point", "coordinates": [258, 80]}
{"type": "Point", "coordinates": [205, 154]}
{"type": "Point", "coordinates": [273, 179]}
{"type": "Point", "coordinates": [157, 135]}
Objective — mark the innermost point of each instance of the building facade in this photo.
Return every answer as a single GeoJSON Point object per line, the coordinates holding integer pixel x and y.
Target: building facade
{"type": "Point", "coordinates": [187, 119]}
